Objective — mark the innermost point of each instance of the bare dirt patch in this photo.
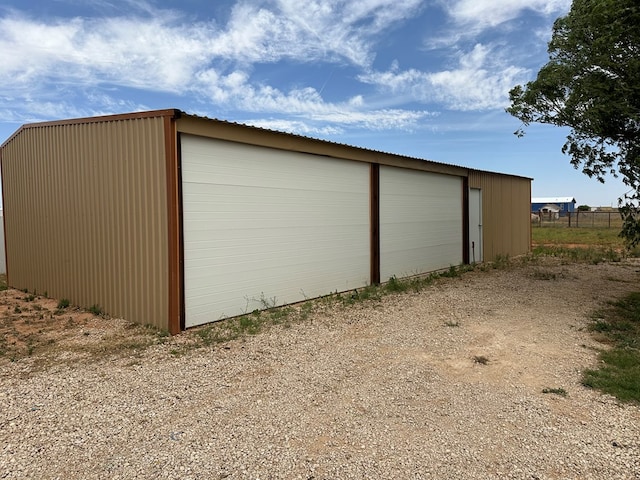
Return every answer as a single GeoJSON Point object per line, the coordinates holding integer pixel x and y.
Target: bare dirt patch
{"type": "Point", "coordinates": [37, 328]}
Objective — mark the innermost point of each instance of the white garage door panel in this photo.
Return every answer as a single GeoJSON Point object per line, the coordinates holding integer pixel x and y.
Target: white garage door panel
{"type": "Point", "coordinates": [262, 224]}
{"type": "Point", "coordinates": [420, 222]}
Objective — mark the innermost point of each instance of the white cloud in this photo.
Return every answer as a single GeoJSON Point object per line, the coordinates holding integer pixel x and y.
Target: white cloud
{"type": "Point", "coordinates": [470, 18]}
{"type": "Point", "coordinates": [312, 30]}
{"type": "Point", "coordinates": [489, 13]}
{"type": "Point", "coordinates": [480, 81]}
{"type": "Point", "coordinates": [161, 51]}
{"type": "Point", "coordinates": [308, 103]}
{"type": "Point", "coordinates": [146, 54]}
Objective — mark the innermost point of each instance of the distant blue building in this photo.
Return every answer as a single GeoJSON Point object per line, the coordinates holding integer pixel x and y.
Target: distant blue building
{"type": "Point", "coordinates": [558, 205]}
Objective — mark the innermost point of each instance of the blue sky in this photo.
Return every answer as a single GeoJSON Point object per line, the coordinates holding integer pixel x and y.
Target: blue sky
{"type": "Point", "coordinates": [424, 78]}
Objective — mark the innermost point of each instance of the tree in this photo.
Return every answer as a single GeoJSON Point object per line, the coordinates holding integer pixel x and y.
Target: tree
{"type": "Point", "coordinates": [592, 85]}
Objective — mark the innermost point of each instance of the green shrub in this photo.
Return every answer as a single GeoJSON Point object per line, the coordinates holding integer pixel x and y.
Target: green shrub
{"type": "Point", "coordinates": [64, 303]}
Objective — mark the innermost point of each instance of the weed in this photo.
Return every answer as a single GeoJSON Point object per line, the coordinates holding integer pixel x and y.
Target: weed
{"type": "Point", "coordinates": [600, 325]}
{"type": "Point", "coordinates": [500, 262]}
{"type": "Point", "coordinates": [163, 336]}
{"type": "Point", "coordinates": [17, 309]}
{"type": "Point", "coordinates": [544, 275]}
{"type": "Point", "coordinates": [64, 303]}
{"type": "Point", "coordinates": [305, 310]}
{"type": "Point", "coordinates": [394, 285]}
{"type": "Point", "coordinates": [249, 324]}
{"type": "Point", "coordinates": [452, 323]}
{"type": "Point", "coordinates": [556, 391]}
{"type": "Point", "coordinates": [451, 273]}
{"type": "Point", "coordinates": [29, 298]}
{"type": "Point", "coordinates": [96, 310]}
{"type": "Point", "coordinates": [370, 292]}
{"type": "Point", "coordinates": [277, 315]}
{"type": "Point", "coordinates": [267, 303]}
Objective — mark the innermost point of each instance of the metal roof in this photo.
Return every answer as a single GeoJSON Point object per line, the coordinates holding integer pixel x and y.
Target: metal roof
{"type": "Point", "coordinates": [176, 114]}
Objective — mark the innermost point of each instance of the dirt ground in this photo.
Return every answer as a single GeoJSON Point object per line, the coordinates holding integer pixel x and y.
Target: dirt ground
{"type": "Point", "coordinates": [448, 382]}
{"type": "Point", "coordinates": [40, 328]}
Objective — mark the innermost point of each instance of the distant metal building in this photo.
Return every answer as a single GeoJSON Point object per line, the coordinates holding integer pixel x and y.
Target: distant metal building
{"type": "Point", "coordinates": [559, 206]}
{"type": "Point", "coordinates": [175, 220]}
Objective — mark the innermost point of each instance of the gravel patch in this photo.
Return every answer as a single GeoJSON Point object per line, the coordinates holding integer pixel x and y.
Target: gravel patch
{"type": "Point", "coordinates": [388, 389]}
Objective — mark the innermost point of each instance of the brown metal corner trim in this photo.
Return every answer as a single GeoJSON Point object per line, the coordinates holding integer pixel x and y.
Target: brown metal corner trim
{"type": "Point", "coordinates": [175, 320]}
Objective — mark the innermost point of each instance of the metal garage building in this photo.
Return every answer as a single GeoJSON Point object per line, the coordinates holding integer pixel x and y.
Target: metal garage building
{"type": "Point", "coordinates": [175, 220]}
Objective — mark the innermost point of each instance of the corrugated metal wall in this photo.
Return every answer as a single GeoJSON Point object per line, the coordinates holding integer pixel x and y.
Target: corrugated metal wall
{"type": "Point", "coordinates": [3, 265]}
{"type": "Point", "coordinates": [506, 221]}
{"type": "Point", "coordinates": [85, 208]}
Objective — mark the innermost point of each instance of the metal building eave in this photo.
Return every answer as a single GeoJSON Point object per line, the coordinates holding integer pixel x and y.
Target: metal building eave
{"type": "Point", "coordinates": [172, 113]}
{"type": "Point", "coordinates": [237, 132]}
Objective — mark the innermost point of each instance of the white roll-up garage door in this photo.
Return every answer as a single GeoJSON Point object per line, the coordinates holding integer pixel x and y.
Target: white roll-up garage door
{"type": "Point", "coordinates": [264, 226]}
{"type": "Point", "coordinates": [420, 222]}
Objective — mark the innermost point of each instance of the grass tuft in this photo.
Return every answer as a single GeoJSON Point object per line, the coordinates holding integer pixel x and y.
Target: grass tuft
{"type": "Point", "coordinates": [395, 286]}
{"type": "Point", "coordinates": [556, 391]}
{"type": "Point", "coordinates": [64, 303]}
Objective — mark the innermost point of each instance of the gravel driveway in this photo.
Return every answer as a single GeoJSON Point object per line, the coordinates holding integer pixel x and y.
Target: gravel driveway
{"type": "Point", "coordinates": [445, 383]}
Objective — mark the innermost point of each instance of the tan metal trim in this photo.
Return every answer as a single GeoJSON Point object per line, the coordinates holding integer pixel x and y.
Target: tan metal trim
{"type": "Point", "coordinates": [173, 112]}
{"type": "Point", "coordinates": [211, 128]}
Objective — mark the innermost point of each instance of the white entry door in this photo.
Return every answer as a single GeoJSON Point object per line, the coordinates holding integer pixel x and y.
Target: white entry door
{"type": "Point", "coordinates": [475, 225]}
